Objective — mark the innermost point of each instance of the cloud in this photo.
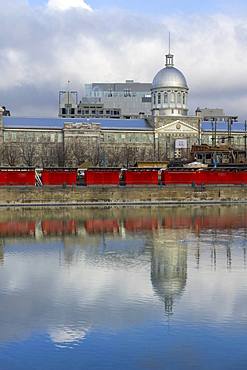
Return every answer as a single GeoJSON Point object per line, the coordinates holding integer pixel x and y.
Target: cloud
{"type": "Point", "coordinates": [45, 48]}
{"type": "Point", "coordinates": [68, 4]}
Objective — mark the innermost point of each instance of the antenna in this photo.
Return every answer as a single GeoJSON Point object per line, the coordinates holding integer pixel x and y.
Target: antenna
{"type": "Point", "coordinates": [169, 56]}
{"type": "Point", "coordinates": [169, 42]}
{"type": "Point", "coordinates": [68, 84]}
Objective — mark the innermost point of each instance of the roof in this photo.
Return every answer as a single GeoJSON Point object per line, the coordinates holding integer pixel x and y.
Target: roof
{"type": "Point", "coordinates": [58, 123]}
{"type": "Point", "coordinates": [222, 126]}
{"type": "Point", "coordinates": [32, 122]}
{"type": "Point", "coordinates": [121, 124]}
{"type": "Point", "coordinates": [169, 77]}
{"type": "Point", "coordinates": [118, 86]}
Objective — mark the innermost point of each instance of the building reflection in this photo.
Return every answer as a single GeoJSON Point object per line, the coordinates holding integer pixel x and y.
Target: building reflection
{"type": "Point", "coordinates": [119, 238]}
{"type": "Point", "coordinates": [168, 268]}
{"type": "Point", "coordinates": [1, 252]}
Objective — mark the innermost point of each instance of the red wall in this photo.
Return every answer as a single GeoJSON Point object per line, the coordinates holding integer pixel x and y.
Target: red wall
{"type": "Point", "coordinates": [141, 177]}
{"type": "Point", "coordinates": [19, 177]}
{"type": "Point", "coordinates": [102, 177]}
{"type": "Point", "coordinates": [206, 177]}
{"type": "Point", "coordinates": [59, 177]}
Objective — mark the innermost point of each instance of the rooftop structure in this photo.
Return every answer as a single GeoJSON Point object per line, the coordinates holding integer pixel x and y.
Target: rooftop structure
{"type": "Point", "coordinates": [108, 100]}
{"type": "Point", "coordinates": [169, 91]}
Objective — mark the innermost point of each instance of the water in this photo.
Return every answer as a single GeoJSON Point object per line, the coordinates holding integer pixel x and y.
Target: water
{"type": "Point", "coordinates": [127, 288]}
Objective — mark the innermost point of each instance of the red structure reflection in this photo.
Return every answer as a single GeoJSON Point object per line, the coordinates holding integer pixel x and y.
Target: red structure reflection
{"type": "Point", "coordinates": [59, 227]}
{"type": "Point", "coordinates": [139, 224]}
{"type": "Point", "coordinates": [17, 228]}
{"type": "Point", "coordinates": [100, 226]}
{"type": "Point", "coordinates": [226, 221]}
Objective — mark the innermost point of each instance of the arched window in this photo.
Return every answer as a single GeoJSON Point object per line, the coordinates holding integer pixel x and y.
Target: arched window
{"type": "Point", "coordinates": [154, 98]}
{"type": "Point", "coordinates": [159, 98]}
{"type": "Point", "coordinates": [179, 98]}
{"type": "Point", "coordinates": [165, 98]}
{"type": "Point", "coordinates": [172, 97]}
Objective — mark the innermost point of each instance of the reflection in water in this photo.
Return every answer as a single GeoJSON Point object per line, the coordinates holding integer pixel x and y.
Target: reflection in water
{"type": "Point", "coordinates": [168, 271]}
{"type": "Point", "coordinates": [1, 252]}
{"type": "Point", "coordinates": [107, 278]}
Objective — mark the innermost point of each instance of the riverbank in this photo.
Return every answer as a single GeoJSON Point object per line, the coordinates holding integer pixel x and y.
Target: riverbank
{"type": "Point", "coordinates": [119, 196]}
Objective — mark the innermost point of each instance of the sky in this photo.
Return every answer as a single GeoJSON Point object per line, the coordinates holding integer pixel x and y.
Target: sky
{"type": "Point", "coordinates": [45, 43]}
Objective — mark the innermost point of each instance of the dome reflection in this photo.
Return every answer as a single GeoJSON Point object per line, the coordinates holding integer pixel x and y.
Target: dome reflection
{"type": "Point", "coordinates": [168, 271]}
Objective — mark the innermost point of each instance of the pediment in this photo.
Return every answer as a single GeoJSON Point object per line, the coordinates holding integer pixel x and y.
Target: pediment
{"type": "Point", "coordinates": [177, 127]}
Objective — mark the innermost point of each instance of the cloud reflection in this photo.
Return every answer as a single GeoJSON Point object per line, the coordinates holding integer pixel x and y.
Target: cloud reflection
{"type": "Point", "coordinates": [122, 273]}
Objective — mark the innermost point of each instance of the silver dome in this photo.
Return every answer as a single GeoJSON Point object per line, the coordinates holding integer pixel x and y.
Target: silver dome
{"type": "Point", "coordinates": [169, 77]}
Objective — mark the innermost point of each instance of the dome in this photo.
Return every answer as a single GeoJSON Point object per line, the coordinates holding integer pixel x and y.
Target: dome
{"type": "Point", "coordinates": [169, 77]}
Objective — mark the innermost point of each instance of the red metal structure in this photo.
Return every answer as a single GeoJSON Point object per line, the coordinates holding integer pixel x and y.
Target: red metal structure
{"type": "Point", "coordinates": [17, 177]}
{"type": "Point", "coordinates": [59, 176]}
{"type": "Point", "coordinates": [141, 176]}
{"type": "Point", "coordinates": [102, 176]}
{"type": "Point", "coordinates": [207, 177]}
{"type": "Point", "coordinates": [128, 177]}
{"type": "Point", "coordinates": [176, 177]}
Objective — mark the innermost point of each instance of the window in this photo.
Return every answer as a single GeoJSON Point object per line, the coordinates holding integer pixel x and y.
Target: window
{"type": "Point", "coordinates": [159, 98]}
{"type": "Point", "coordinates": [154, 99]}
{"type": "Point", "coordinates": [179, 98]}
{"type": "Point", "coordinates": [127, 92]}
{"type": "Point", "coordinates": [172, 97]}
{"type": "Point", "coordinates": [165, 98]}
{"type": "Point", "coordinates": [183, 98]}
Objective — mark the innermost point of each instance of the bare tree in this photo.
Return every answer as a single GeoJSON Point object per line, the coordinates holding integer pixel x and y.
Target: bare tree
{"type": "Point", "coordinates": [130, 155]}
{"type": "Point", "coordinates": [114, 156]}
{"type": "Point", "coordinates": [11, 155]}
{"type": "Point", "coordinates": [28, 153]}
{"type": "Point", "coordinates": [81, 151]}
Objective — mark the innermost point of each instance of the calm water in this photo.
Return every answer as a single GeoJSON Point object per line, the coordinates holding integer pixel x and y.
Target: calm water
{"type": "Point", "coordinates": [160, 288]}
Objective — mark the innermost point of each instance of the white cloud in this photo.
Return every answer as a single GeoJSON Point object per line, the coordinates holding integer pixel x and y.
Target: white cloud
{"type": "Point", "coordinates": [46, 48]}
{"type": "Point", "coordinates": [68, 4]}
{"type": "Point", "coordinates": [67, 335]}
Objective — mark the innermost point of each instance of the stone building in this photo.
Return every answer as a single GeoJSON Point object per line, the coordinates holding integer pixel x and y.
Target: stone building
{"type": "Point", "coordinates": [167, 133]}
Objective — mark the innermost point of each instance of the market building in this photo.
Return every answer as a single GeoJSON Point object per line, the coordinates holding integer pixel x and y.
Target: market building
{"type": "Point", "coordinates": [94, 137]}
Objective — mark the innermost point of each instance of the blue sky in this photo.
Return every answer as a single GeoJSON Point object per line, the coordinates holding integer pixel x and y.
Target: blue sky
{"type": "Point", "coordinates": [163, 6]}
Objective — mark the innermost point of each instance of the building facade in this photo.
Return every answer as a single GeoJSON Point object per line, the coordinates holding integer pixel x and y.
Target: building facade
{"type": "Point", "coordinates": [108, 100]}
{"type": "Point", "coordinates": [95, 134]}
